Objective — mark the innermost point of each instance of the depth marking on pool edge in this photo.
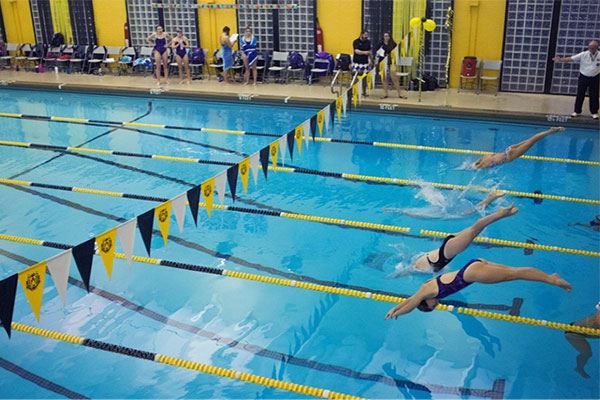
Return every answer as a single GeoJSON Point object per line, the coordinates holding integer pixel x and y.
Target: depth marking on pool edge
{"type": "Point", "coordinates": [317, 139]}
{"type": "Point", "coordinates": [497, 391]}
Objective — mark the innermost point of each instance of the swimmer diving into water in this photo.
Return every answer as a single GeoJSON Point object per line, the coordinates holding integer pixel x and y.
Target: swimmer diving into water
{"type": "Point", "coordinates": [446, 207]}
{"type": "Point", "coordinates": [514, 151]}
{"type": "Point", "coordinates": [437, 259]}
{"type": "Point", "coordinates": [475, 271]}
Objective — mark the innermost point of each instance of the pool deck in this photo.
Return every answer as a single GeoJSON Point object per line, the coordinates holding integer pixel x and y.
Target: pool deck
{"type": "Point", "coordinates": [552, 108]}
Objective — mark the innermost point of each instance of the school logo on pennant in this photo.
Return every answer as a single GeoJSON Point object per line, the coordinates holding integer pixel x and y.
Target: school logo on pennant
{"type": "Point", "coordinates": [163, 215]}
{"type": "Point", "coordinates": [32, 281]}
{"type": "Point", "coordinates": [106, 245]}
{"type": "Point", "coordinates": [106, 248]}
{"type": "Point", "coordinates": [244, 168]}
{"type": "Point", "coordinates": [208, 193]}
{"type": "Point", "coordinates": [320, 121]}
{"type": "Point", "coordinates": [273, 147]}
{"type": "Point", "coordinates": [298, 133]}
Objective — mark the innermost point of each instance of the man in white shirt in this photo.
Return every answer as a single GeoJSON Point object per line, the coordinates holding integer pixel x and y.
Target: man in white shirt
{"type": "Point", "coordinates": [589, 77]}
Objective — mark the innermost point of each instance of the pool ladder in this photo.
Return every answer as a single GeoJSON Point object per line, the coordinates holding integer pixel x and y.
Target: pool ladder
{"type": "Point", "coordinates": [338, 75]}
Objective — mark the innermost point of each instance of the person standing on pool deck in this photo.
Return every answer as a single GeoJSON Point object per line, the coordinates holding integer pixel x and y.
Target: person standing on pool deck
{"type": "Point", "coordinates": [579, 342]}
{"type": "Point", "coordinates": [437, 259]}
{"type": "Point", "coordinates": [226, 53]}
{"type": "Point", "coordinates": [475, 271]}
{"type": "Point", "coordinates": [387, 44]}
{"type": "Point", "coordinates": [180, 45]}
{"type": "Point", "coordinates": [249, 55]}
{"type": "Point", "coordinates": [362, 53]}
{"type": "Point", "coordinates": [589, 77]}
{"type": "Point", "coordinates": [159, 39]}
{"type": "Point", "coordinates": [514, 151]}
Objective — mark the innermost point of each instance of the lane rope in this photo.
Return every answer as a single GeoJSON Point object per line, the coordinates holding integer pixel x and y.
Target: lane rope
{"type": "Point", "coordinates": [363, 294]}
{"type": "Point", "coordinates": [402, 146]}
{"type": "Point", "coordinates": [299, 170]}
{"type": "Point", "coordinates": [393, 229]}
{"type": "Point", "coordinates": [182, 363]}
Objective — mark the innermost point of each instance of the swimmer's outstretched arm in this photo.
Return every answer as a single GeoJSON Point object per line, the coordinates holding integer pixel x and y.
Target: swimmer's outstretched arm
{"type": "Point", "coordinates": [424, 292]}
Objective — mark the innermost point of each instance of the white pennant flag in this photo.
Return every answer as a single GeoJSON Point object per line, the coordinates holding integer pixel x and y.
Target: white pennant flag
{"type": "Point", "coordinates": [59, 269]}
{"type": "Point", "coordinates": [344, 102]}
{"type": "Point", "coordinates": [327, 117]}
{"type": "Point", "coordinates": [360, 90]}
{"type": "Point", "coordinates": [306, 130]}
{"type": "Point", "coordinates": [255, 166]}
{"type": "Point", "coordinates": [126, 233]}
{"type": "Point", "coordinates": [282, 146]}
{"type": "Point", "coordinates": [220, 185]}
{"type": "Point", "coordinates": [178, 205]}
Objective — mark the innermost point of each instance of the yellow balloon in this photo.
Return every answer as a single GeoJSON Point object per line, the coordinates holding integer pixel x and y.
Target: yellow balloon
{"type": "Point", "coordinates": [429, 25]}
{"type": "Point", "coordinates": [415, 22]}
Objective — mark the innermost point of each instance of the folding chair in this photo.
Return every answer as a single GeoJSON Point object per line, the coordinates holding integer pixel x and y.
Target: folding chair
{"type": "Point", "coordinates": [8, 59]}
{"type": "Point", "coordinates": [96, 59]}
{"type": "Point", "coordinates": [111, 61]}
{"type": "Point", "coordinates": [319, 70]}
{"type": "Point", "coordinates": [64, 60]}
{"type": "Point", "coordinates": [125, 62]}
{"type": "Point", "coordinates": [281, 58]}
{"type": "Point", "coordinates": [486, 67]}
{"type": "Point", "coordinates": [296, 71]}
{"type": "Point", "coordinates": [404, 65]}
{"type": "Point", "coordinates": [78, 59]}
{"type": "Point", "coordinates": [51, 56]}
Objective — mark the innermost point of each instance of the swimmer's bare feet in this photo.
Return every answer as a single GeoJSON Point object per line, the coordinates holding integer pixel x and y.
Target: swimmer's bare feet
{"type": "Point", "coordinates": [496, 194]}
{"type": "Point", "coordinates": [557, 280]}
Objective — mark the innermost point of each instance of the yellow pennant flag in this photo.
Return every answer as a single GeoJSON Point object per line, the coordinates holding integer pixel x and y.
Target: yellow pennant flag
{"type": "Point", "coordinates": [106, 248]}
{"type": "Point", "coordinates": [382, 70]}
{"type": "Point", "coordinates": [298, 135]}
{"type": "Point", "coordinates": [244, 169]}
{"type": "Point", "coordinates": [338, 107]}
{"type": "Point", "coordinates": [355, 94]}
{"type": "Point", "coordinates": [273, 148]}
{"type": "Point", "coordinates": [32, 280]}
{"type": "Point", "coordinates": [163, 215]}
{"type": "Point", "coordinates": [370, 81]}
{"type": "Point", "coordinates": [320, 121]}
{"type": "Point", "coordinates": [208, 191]}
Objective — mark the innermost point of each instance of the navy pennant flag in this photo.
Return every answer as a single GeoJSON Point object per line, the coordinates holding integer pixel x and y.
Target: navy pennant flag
{"type": "Point", "coordinates": [83, 254]}
{"type": "Point", "coordinates": [290, 143]}
{"type": "Point", "coordinates": [145, 223]}
{"type": "Point", "coordinates": [232, 178]}
{"type": "Point", "coordinates": [264, 160]}
{"type": "Point", "coordinates": [193, 197]}
{"type": "Point", "coordinates": [8, 292]}
{"type": "Point", "coordinates": [313, 126]}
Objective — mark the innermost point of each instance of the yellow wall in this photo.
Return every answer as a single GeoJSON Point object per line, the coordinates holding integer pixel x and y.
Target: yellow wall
{"type": "Point", "coordinates": [212, 23]}
{"type": "Point", "coordinates": [341, 24]}
{"type": "Point", "coordinates": [478, 31]}
{"type": "Point", "coordinates": [110, 17]}
{"type": "Point", "coordinates": [18, 25]}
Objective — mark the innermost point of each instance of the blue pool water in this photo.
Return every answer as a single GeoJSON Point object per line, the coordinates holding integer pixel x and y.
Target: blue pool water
{"type": "Point", "coordinates": [335, 342]}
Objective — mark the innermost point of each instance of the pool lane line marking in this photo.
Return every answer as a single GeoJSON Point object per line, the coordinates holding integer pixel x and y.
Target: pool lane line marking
{"type": "Point", "coordinates": [297, 278]}
{"type": "Point", "coordinates": [494, 393]}
{"type": "Point", "coordinates": [513, 309]}
{"type": "Point", "coordinates": [384, 228]}
{"type": "Point", "coordinates": [332, 289]}
{"type": "Point", "coordinates": [299, 170]}
{"type": "Point", "coordinates": [39, 381]}
{"type": "Point", "coordinates": [182, 363]}
{"type": "Point", "coordinates": [108, 132]}
{"type": "Point", "coordinates": [402, 146]}
{"type": "Point", "coordinates": [325, 288]}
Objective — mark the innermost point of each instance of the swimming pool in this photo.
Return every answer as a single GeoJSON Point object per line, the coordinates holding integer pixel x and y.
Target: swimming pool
{"type": "Point", "coordinates": [323, 340]}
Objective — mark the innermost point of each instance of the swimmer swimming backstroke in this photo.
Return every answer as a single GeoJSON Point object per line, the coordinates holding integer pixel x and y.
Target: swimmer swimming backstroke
{"type": "Point", "coordinates": [514, 151]}
{"type": "Point", "coordinates": [475, 271]}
